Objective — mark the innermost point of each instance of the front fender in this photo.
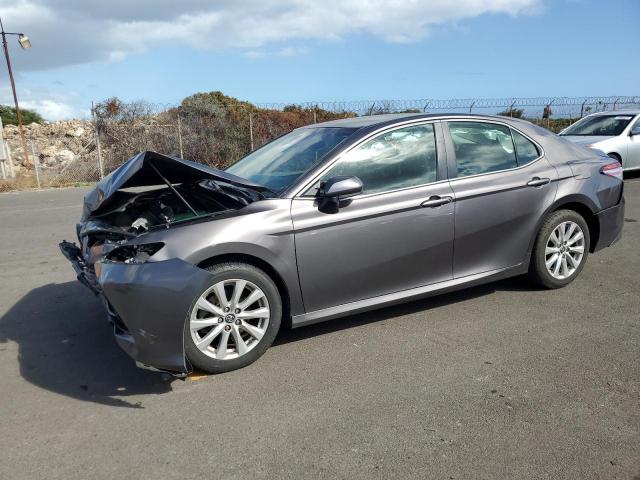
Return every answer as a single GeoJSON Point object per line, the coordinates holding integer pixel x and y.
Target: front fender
{"type": "Point", "coordinates": [262, 230]}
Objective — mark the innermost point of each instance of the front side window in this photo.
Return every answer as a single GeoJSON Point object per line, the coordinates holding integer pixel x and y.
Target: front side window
{"type": "Point", "coordinates": [397, 159]}
{"type": "Point", "coordinates": [526, 150]}
{"type": "Point", "coordinates": [599, 125]}
{"type": "Point", "coordinates": [482, 147]}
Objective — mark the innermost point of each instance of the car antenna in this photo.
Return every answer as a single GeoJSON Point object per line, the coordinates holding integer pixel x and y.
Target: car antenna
{"type": "Point", "coordinates": [184, 200]}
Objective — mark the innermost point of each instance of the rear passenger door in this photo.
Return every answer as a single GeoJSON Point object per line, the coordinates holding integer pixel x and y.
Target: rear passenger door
{"type": "Point", "coordinates": [502, 185]}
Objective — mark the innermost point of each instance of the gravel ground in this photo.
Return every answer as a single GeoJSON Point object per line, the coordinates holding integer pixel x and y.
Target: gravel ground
{"type": "Point", "coordinates": [497, 381]}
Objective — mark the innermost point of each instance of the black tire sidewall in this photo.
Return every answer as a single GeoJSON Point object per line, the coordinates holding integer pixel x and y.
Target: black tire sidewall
{"type": "Point", "coordinates": [539, 270]}
{"type": "Point", "coordinates": [227, 271]}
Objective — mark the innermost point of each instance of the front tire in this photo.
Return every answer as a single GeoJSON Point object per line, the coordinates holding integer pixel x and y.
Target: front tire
{"type": "Point", "coordinates": [560, 250]}
{"type": "Point", "coordinates": [234, 320]}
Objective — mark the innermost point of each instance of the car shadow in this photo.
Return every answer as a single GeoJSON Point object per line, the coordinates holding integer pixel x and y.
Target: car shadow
{"type": "Point", "coordinates": [632, 175]}
{"type": "Point", "coordinates": [66, 346]}
{"type": "Point", "coordinates": [515, 284]}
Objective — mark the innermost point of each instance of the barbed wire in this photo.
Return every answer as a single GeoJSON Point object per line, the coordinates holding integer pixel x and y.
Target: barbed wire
{"type": "Point", "coordinates": [612, 102]}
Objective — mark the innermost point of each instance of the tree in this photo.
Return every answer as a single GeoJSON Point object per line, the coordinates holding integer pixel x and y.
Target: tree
{"type": "Point", "coordinates": [9, 116]}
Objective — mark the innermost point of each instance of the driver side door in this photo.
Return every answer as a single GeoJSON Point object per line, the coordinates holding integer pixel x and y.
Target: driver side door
{"type": "Point", "coordinates": [394, 236]}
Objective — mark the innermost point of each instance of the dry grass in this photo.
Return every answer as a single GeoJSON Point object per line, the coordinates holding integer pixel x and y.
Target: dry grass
{"type": "Point", "coordinates": [29, 182]}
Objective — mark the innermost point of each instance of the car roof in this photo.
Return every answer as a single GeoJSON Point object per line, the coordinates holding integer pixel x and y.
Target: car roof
{"type": "Point", "coordinates": [391, 118]}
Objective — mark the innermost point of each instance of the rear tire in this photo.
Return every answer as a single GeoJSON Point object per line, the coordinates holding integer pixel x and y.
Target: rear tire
{"type": "Point", "coordinates": [560, 250]}
{"type": "Point", "coordinates": [224, 334]}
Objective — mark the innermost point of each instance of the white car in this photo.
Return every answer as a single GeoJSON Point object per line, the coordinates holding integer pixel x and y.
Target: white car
{"type": "Point", "coordinates": [615, 133]}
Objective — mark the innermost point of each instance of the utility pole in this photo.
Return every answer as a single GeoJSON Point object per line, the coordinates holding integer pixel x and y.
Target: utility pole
{"type": "Point", "coordinates": [25, 43]}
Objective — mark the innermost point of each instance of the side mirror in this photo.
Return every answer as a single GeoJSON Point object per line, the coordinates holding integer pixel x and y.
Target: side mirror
{"type": "Point", "coordinates": [335, 189]}
{"type": "Point", "coordinates": [634, 132]}
{"type": "Point", "coordinates": [340, 186]}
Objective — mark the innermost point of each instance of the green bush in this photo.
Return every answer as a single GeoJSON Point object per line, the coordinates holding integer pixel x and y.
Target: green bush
{"type": "Point", "coordinates": [9, 116]}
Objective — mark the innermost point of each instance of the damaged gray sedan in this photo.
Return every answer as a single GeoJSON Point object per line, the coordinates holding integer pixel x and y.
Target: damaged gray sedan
{"type": "Point", "coordinates": [199, 267]}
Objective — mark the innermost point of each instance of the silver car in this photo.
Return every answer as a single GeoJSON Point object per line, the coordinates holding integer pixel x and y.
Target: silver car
{"type": "Point", "coordinates": [615, 133]}
{"type": "Point", "coordinates": [199, 267]}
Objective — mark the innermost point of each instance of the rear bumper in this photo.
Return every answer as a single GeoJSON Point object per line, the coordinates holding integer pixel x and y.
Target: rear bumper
{"type": "Point", "coordinates": [610, 221]}
{"type": "Point", "coordinates": [148, 304]}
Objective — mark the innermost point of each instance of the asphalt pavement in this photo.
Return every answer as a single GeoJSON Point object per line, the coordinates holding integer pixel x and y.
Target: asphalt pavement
{"type": "Point", "coordinates": [501, 381]}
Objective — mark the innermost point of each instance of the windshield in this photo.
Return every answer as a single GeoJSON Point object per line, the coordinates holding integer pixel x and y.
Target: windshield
{"type": "Point", "coordinates": [278, 164]}
{"type": "Point", "coordinates": [601, 125]}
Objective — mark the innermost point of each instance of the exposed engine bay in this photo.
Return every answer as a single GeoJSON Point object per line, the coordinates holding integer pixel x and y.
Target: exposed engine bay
{"type": "Point", "coordinates": [150, 191]}
{"type": "Point", "coordinates": [130, 214]}
{"type": "Point", "coordinates": [136, 213]}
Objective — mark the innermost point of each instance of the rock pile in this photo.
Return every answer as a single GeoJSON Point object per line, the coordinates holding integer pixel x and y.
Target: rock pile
{"type": "Point", "coordinates": [56, 143]}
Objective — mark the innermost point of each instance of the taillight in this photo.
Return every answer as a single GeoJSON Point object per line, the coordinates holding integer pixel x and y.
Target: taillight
{"type": "Point", "coordinates": [613, 170]}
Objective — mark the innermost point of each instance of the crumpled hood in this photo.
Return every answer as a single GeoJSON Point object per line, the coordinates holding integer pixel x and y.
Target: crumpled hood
{"type": "Point", "coordinates": [139, 172]}
{"type": "Point", "coordinates": [585, 140]}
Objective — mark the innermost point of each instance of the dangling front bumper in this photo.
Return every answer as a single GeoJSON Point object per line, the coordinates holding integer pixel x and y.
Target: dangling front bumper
{"type": "Point", "coordinates": [147, 304]}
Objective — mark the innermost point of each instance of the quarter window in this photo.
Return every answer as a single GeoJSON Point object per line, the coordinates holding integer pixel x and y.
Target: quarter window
{"type": "Point", "coordinates": [482, 147]}
{"type": "Point", "coordinates": [526, 150]}
{"type": "Point", "coordinates": [397, 159]}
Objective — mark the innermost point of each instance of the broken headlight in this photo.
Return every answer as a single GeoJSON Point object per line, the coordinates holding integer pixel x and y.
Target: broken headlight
{"type": "Point", "coordinates": [134, 253]}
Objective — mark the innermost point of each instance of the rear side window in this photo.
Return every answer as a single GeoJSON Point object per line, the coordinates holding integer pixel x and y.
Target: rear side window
{"type": "Point", "coordinates": [526, 150]}
{"type": "Point", "coordinates": [482, 147]}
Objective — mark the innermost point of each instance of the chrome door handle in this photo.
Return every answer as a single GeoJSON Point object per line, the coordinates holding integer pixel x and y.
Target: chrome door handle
{"type": "Point", "coordinates": [436, 201]}
{"type": "Point", "coordinates": [538, 182]}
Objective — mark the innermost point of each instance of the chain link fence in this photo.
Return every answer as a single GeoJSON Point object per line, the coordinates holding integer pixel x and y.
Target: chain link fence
{"type": "Point", "coordinates": [205, 129]}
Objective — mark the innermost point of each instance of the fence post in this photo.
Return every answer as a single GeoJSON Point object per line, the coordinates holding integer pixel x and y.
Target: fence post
{"type": "Point", "coordinates": [582, 109]}
{"type": "Point", "coordinates": [251, 129]}
{"type": "Point", "coordinates": [36, 163]}
{"type": "Point", "coordinates": [471, 106]}
{"type": "Point", "coordinates": [10, 160]}
{"type": "Point", "coordinates": [97, 133]}
{"type": "Point", "coordinates": [3, 155]}
{"type": "Point", "coordinates": [180, 135]}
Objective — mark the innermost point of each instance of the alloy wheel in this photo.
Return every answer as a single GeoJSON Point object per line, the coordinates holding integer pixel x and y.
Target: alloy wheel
{"type": "Point", "coordinates": [229, 319]}
{"type": "Point", "coordinates": [564, 250]}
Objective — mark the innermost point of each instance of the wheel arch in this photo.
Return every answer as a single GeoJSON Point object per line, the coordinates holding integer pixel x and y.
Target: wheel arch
{"type": "Point", "coordinates": [616, 156]}
{"type": "Point", "coordinates": [263, 265]}
{"type": "Point", "coordinates": [580, 204]}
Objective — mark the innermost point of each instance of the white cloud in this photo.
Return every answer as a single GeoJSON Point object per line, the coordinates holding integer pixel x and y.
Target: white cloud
{"type": "Point", "coordinates": [52, 109]}
{"type": "Point", "coordinates": [67, 32]}
{"type": "Point", "coordinates": [282, 52]}
{"type": "Point", "coordinates": [52, 106]}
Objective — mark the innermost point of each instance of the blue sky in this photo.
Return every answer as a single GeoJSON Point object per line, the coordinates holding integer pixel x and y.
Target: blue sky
{"type": "Point", "coordinates": [290, 52]}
